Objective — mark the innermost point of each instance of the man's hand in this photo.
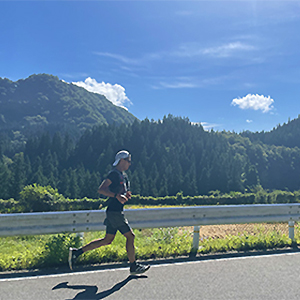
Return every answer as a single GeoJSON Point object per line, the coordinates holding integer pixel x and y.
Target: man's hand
{"type": "Point", "coordinates": [128, 195]}
{"type": "Point", "coordinates": [122, 198]}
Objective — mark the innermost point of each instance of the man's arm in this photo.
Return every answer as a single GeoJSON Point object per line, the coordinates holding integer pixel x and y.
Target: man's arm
{"type": "Point", "coordinates": [104, 190]}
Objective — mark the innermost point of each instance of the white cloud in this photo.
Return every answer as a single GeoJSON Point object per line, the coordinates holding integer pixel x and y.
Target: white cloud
{"type": "Point", "coordinates": [187, 82]}
{"type": "Point", "coordinates": [187, 50]}
{"type": "Point", "coordinates": [249, 121]}
{"type": "Point", "coordinates": [175, 85]}
{"type": "Point", "coordinates": [119, 57]}
{"type": "Point", "coordinates": [225, 50]}
{"type": "Point", "coordinates": [115, 93]}
{"type": "Point", "coordinates": [138, 62]}
{"type": "Point", "coordinates": [256, 102]}
{"type": "Point", "coordinates": [208, 126]}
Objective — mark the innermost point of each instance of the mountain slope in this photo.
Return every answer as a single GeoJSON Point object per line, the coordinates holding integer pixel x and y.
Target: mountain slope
{"type": "Point", "coordinates": [287, 135]}
{"type": "Point", "coordinates": [45, 100]}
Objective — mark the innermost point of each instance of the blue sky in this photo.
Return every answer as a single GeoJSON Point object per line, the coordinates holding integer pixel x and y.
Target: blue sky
{"type": "Point", "coordinates": [231, 65]}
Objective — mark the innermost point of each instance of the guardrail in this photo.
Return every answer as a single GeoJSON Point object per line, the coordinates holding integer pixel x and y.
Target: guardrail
{"type": "Point", "coordinates": [92, 220]}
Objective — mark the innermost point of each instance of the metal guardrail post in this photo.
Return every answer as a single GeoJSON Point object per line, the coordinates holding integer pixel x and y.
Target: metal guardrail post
{"type": "Point", "coordinates": [291, 230]}
{"type": "Point", "coordinates": [80, 235]}
{"type": "Point", "coordinates": [196, 238]}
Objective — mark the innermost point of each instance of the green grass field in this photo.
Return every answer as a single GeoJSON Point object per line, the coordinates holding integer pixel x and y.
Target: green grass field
{"type": "Point", "coordinates": [37, 252]}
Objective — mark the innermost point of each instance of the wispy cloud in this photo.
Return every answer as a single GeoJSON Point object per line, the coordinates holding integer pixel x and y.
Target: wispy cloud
{"type": "Point", "coordinates": [255, 102]}
{"type": "Point", "coordinates": [121, 58]}
{"type": "Point", "coordinates": [221, 51]}
{"type": "Point", "coordinates": [228, 49]}
{"type": "Point", "coordinates": [190, 50]}
{"type": "Point", "coordinates": [177, 84]}
{"type": "Point", "coordinates": [206, 126]}
{"type": "Point", "coordinates": [183, 55]}
{"type": "Point", "coordinates": [143, 60]}
{"type": "Point", "coordinates": [115, 93]}
{"type": "Point", "coordinates": [209, 126]}
{"type": "Point", "coordinates": [188, 82]}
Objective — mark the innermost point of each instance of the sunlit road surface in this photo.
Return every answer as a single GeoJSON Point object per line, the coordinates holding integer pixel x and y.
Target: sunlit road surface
{"type": "Point", "coordinates": [256, 277]}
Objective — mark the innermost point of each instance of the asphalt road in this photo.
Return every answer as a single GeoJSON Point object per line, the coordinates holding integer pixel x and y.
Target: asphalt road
{"type": "Point", "coordinates": [274, 277]}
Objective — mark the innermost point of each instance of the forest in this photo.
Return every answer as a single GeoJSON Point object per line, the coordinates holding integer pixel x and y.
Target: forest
{"type": "Point", "coordinates": [169, 156]}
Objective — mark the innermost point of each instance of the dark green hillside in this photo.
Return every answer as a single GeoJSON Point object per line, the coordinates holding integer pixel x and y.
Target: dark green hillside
{"type": "Point", "coordinates": [287, 135]}
{"type": "Point", "coordinates": [44, 100]}
{"type": "Point", "coordinates": [168, 156]}
{"type": "Point", "coordinates": [271, 166]}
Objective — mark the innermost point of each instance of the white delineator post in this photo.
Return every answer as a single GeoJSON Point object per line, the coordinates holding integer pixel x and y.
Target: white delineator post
{"type": "Point", "coordinates": [196, 238]}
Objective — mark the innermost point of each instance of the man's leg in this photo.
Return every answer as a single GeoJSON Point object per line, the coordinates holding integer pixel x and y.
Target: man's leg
{"type": "Point", "coordinates": [99, 242]}
{"type": "Point", "coordinates": [74, 253]}
{"type": "Point", "coordinates": [130, 245]}
{"type": "Point", "coordinates": [135, 268]}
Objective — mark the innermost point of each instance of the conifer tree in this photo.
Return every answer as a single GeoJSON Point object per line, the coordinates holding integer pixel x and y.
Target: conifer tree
{"type": "Point", "coordinates": [5, 179]}
{"type": "Point", "coordinates": [18, 175]}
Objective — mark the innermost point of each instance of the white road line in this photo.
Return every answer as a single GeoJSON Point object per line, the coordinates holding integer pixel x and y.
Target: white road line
{"type": "Point", "coordinates": [152, 266]}
{"type": "Point", "coordinates": [61, 275]}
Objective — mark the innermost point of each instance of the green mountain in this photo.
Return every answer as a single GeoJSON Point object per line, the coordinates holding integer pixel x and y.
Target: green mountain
{"type": "Point", "coordinates": [44, 101]}
{"type": "Point", "coordinates": [287, 135]}
{"type": "Point", "coordinates": [169, 156]}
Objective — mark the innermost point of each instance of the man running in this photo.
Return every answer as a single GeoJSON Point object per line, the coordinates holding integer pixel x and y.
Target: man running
{"type": "Point", "coordinates": [117, 187]}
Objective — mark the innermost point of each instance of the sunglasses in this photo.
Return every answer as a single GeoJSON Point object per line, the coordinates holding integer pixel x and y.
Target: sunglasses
{"type": "Point", "coordinates": [128, 160]}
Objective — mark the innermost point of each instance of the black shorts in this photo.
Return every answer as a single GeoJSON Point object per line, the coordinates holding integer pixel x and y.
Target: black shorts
{"type": "Point", "coordinates": [115, 220]}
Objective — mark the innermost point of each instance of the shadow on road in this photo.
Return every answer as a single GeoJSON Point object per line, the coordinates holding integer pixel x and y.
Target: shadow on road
{"type": "Point", "coordinates": [90, 291]}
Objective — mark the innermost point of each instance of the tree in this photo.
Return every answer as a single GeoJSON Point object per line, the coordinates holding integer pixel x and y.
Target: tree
{"type": "Point", "coordinates": [18, 175]}
{"type": "Point", "coordinates": [73, 185]}
{"type": "Point", "coordinates": [5, 179]}
{"type": "Point", "coordinates": [251, 176]}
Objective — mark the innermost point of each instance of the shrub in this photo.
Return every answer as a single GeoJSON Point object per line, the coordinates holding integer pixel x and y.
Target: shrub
{"type": "Point", "coordinates": [57, 249]}
{"type": "Point", "coordinates": [9, 206]}
{"type": "Point", "coordinates": [37, 198]}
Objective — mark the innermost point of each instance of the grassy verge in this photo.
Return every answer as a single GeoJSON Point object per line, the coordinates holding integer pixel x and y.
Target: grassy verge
{"type": "Point", "coordinates": [31, 252]}
{"type": "Point", "coordinates": [34, 252]}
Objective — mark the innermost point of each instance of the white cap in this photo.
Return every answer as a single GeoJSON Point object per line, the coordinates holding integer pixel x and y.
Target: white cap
{"type": "Point", "coordinates": [120, 155]}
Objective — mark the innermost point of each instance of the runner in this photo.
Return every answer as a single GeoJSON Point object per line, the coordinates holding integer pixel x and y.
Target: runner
{"type": "Point", "coordinates": [117, 187]}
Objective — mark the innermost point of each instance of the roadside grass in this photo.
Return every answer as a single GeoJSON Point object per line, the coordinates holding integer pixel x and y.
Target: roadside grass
{"type": "Point", "coordinates": [42, 251]}
{"type": "Point", "coordinates": [33, 252]}
{"type": "Point", "coordinates": [245, 242]}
